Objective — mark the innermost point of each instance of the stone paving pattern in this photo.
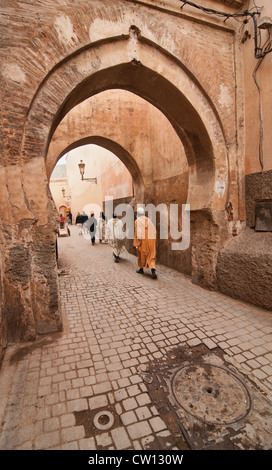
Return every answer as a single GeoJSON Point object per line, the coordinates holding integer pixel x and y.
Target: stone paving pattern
{"type": "Point", "coordinates": [115, 323]}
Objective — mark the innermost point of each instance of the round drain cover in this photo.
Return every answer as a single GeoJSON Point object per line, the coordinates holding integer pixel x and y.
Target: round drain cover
{"type": "Point", "coordinates": [211, 393]}
{"type": "Point", "coordinates": [103, 420]}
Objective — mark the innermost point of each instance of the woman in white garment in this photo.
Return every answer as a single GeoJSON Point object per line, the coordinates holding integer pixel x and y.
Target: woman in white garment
{"type": "Point", "coordinates": [101, 224]}
{"type": "Point", "coordinates": [115, 236]}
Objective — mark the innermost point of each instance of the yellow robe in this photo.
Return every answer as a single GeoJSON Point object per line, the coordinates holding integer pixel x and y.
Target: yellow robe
{"type": "Point", "coordinates": [145, 241]}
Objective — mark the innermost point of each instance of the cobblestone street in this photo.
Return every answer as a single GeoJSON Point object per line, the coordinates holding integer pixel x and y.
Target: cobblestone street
{"type": "Point", "coordinates": [105, 381]}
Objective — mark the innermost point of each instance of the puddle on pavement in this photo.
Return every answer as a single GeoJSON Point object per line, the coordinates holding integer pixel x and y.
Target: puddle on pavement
{"type": "Point", "coordinates": [206, 403]}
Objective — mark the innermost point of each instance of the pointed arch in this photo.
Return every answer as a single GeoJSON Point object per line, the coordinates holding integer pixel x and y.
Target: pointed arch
{"type": "Point", "coordinates": [105, 65]}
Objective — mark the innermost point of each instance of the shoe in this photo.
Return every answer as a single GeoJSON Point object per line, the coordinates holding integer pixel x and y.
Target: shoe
{"type": "Point", "coordinates": [140, 271]}
{"type": "Point", "coordinates": [153, 274]}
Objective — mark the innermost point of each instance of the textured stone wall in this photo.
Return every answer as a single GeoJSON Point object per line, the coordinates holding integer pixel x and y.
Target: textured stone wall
{"type": "Point", "coordinates": [244, 268]}
{"type": "Point", "coordinates": [258, 187]}
{"type": "Point", "coordinates": [244, 265]}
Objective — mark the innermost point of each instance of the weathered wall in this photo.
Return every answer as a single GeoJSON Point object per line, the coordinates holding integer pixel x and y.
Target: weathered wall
{"type": "Point", "coordinates": [56, 55]}
{"type": "Point", "coordinates": [58, 182]}
{"type": "Point", "coordinates": [258, 188]}
{"type": "Point", "coordinates": [244, 265]}
{"type": "Point", "coordinates": [258, 103]}
{"type": "Point", "coordinates": [244, 268]}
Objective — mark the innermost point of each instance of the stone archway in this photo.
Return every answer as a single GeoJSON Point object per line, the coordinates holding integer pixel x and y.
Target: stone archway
{"type": "Point", "coordinates": [190, 111]}
{"type": "Point", "coordinates": [177, 94]}
{"type": "Point", "coordinates": [116, 149]}
{"type": "Point", "coordinates": [148, 146]}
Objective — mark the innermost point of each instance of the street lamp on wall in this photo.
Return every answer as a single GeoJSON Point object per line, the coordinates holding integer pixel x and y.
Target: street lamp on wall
{"type": "Point", "coordinates": [81, 167]}
{"type": "Point", "coordinates": [67, 198]}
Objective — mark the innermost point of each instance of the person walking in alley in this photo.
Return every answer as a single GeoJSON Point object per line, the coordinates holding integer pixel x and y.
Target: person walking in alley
{"type": "Point", "coordinates": [101, 225]}
{"type": "Point", "coordinates": [84, 217]}
{"type": "Point", "coordinates": [115, 236]}
{"type": "Point", "coordinates": [145, 242]}
{"type": "Point", "coordinates": [92, 225]}
{"type": "Point", "coordinates": [69, 217]}
{"type": "Point", "coordinates": [62, 221]}
{"type": "Point", "coordinates": [79, 223]}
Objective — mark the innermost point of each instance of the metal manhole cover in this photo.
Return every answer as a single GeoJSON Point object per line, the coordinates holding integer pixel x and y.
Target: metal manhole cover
{"type": "Point", "coordinates": [211, 394]}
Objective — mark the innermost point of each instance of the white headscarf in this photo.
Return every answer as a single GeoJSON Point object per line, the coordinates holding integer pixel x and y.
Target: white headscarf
{"type": "Point", "coordinates": [140, 211]}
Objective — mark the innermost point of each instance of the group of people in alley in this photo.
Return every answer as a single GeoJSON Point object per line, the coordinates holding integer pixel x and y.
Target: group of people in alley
{"type": "Point", "coordinates": [111, 232]}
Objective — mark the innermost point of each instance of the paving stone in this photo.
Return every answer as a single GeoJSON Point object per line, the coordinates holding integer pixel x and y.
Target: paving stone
{"type": "Point", "coordinates": [70, 446]}
{"type": "Point", "coordinates": [47, 440]}
{"type": "Point", "coordinates": [72, 433]}
{"type": "Point", "coordinates": [157, 424]}
{"type": "Point", "coordinates": [120, 438]}
{"type": "Point", "coordinates": [128, 418]}
{"type": "Point", "coordinates": [68, 420]}
{"type": "Point", "coordinates": [143, 399]}
{"type": "Point", "coordinates": [98, 402]}
{"type": "Point", "coordinates": [87, 444]}
{"type": "Point", "coordinates": [143, 413]}
{"type": "Point", "coordinates": [139, 430]}
{"type": "Point", "coordinates": [209, 343]}
{"type": "Point", "coordinates": [102, 388]}
{"type": "Point", "coordinates": [130, 404]}
{"type": "Point", "coordinates": [104, 439]}
{"type": "Point", "coordinates": [51, 424]}
{"type": "Point", "coordinates": [118, 324]}
{"type": "Point", "coordinates": [78, 405]}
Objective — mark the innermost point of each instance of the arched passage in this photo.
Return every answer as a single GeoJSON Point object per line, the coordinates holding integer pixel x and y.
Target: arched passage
{"type": "Point", "coordinates": [155, 152]}
{"type": "Point", "coordinates": [158, 78]}
{"type": "Point", "coordinates": [113, 147]}
{"type": "Point", "coordinates": [176, 94]}
{"type": "Point", "coordinates": [162, 94]}
{"type": "Point", "coordinates": [114, 184]}
{"type": "Point", "coordinates": [150, 145]}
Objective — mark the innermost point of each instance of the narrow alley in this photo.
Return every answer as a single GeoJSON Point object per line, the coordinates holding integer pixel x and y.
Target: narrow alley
{"type": "Point", "coordinates": [128, 370]}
